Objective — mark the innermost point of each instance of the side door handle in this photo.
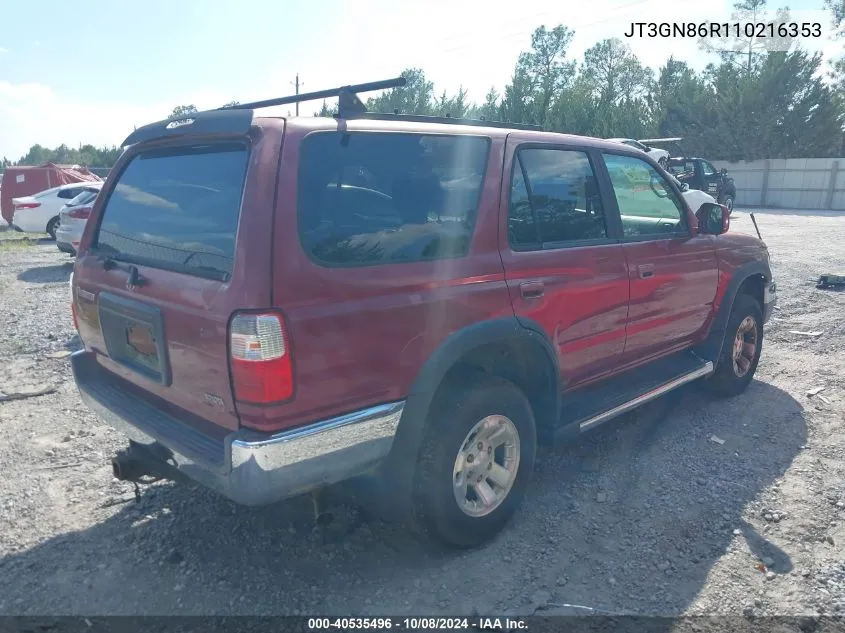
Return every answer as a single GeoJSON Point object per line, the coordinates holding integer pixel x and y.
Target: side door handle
{"type": "Point", "coordinates": [644, 271]}
{"type": "Point", "coordinates": [532, 289]}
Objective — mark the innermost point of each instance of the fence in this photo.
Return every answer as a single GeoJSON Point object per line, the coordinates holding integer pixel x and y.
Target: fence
{"type": "Point", "coordinates": [789, 183]}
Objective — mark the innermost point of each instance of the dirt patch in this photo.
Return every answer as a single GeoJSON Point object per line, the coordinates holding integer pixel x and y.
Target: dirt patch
{"type": "Point", "coordinates": [648, 515]}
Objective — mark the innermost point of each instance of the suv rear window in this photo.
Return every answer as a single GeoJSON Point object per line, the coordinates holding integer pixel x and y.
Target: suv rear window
{"type": "Point", "coordinates": [369, 198]}
{"type": "Point", "coordinates": [177, 209]}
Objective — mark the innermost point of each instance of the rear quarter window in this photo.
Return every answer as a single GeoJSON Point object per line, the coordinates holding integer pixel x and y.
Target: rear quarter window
{"type": "Point", "coordinates": [178, 209]}
{"type": "Point", "coordinates": [369, 198]}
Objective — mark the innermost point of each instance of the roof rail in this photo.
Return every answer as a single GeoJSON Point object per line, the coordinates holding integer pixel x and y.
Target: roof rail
{"type": "Point", "coordinates": [348, 101]}
{"type": "Point", "coordinates": [420, 118]}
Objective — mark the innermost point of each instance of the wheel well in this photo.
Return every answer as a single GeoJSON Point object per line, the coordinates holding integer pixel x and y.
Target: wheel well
{"type": "Point", "coordinates": [754, 286]}
{"type": "Point", "coordinates": [523, 363]}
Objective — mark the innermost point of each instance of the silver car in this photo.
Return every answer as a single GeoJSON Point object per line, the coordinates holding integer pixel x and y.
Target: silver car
{"type": "Point", "coordinates": [73, 217]}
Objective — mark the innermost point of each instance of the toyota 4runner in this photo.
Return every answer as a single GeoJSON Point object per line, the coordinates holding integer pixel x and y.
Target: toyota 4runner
{"type": "Point", "coordinates": [401, 305]}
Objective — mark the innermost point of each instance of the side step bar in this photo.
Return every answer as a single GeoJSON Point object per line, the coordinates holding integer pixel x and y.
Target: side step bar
{"type": "Point", "coordinates": [705, 370]}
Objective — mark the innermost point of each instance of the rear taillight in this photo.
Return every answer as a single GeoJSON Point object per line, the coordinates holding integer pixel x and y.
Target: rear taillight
{"type": "Point", "coordinates": [262, 370]}
{"type": "Point", "coordinates": [80, 213]}
{"type": "Point", "coordinates": [27, 205]}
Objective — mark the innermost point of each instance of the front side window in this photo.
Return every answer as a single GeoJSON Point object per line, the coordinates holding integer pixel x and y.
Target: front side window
{"type": "Point", "coordinates": [647, 203]}
{"type": "Point", "coordinates": [368, 198]}
{"type": "Point", "coordinates": [554, 200]}
{"type": "Point", "coordinates": [709, 170]}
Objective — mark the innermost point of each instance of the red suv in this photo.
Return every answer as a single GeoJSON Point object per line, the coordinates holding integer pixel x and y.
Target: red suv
{"type": "Point", "coordinates": [406, 305]}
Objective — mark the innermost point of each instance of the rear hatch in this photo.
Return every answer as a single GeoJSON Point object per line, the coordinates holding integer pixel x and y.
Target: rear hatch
{"type": "Point", "coordinates": [178, 241]}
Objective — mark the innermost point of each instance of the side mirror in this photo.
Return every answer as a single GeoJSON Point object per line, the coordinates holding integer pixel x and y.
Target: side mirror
{"type": "Point", "coordinates": [723, 171]}
{"type": "Point", "coordinates": [713, 219]}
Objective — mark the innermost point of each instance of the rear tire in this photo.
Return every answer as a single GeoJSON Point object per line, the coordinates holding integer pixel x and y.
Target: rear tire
{"type": "Point", "coordinates": [51, 228]}
{"type": "Point", "coordinates": [740, 350]}
{"type": "Point", "coordinates": [475, 461]}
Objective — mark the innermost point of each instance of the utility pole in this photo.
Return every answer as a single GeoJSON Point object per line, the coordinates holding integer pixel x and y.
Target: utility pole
{"type": "Point", "coordinates": [297, 91]}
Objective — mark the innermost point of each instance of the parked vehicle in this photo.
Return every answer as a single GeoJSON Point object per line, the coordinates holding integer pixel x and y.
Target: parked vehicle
{"type": "Point", "coordinates": [404, 306]}
{"type": "Point", "coordinates": [40, 213]}
{"type": "Point", "coordinates": [693, 197]}
{"type": "Point", "coordinates": [702, 175]}
{"type": "Point", "coordinates": [659, 155]}
{"type": "Point", "coordinates": [73, 217]}
{"type": "Point", "coordinates": [27, 180]}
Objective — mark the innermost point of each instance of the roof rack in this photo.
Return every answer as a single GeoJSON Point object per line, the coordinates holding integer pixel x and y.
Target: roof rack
{"type": "Point", "coordinates": [348, 101]}
{"type": "Point", "coordinates": [237, 118]}
{"type": "Point", "coordinates": [419, 118]}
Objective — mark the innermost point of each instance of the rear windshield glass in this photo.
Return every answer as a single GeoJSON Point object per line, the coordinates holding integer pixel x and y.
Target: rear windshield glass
{"type": "Point", "coordinates": [372, 198]}
{"type": "Point", "coordinates": [85, 197]}
{"type": "Point", "coordinates": [177, 209]}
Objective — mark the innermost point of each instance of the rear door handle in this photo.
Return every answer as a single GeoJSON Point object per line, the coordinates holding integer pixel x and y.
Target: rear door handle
{"type": "Point", "coordinates": [644, 271]}
{"type": "Point", "coordinates": [532, 289]}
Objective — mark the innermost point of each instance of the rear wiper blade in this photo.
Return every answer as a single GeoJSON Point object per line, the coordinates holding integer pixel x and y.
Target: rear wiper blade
{"type": "Point", "coordinates": [111, 262]}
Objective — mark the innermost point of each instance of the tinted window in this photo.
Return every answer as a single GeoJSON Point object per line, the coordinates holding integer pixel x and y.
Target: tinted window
{"type": "Point", "coordinates": [369, 198]}
{"type": "Point", "coordinates": [177, 209]}
{"type": "Point", "coordinates": [647, 203]}
{"type": "Point", "coordinates": [709, 170]}
{"type": "Point", "coordinates": [554, 199]}
{"type": "Point", "coordinates": [68, 194]}
{"type": "Point", "coordinates": [86, 197]}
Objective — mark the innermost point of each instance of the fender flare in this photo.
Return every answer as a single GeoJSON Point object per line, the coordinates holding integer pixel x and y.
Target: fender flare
{"type": "Point", "coordinates": [711, 348]}
{"type": "Point", "coordinates": [395, 474]}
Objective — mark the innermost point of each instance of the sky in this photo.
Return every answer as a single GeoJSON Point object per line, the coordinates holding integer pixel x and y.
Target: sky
{"type": "Point", "coordinates": [88, 71]}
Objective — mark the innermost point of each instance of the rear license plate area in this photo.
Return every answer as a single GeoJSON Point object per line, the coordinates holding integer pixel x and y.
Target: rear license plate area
{"type": "Point", "coordinates": [134, 336]}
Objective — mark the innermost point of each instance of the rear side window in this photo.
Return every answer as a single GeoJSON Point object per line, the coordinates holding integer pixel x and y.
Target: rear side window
{"type": "Point", "coordinates": [177, 209]}
{"type": "Point", "coordinates": [69, 194]}
{"type": "Point", "coordinates": [85, 197]}
{"type": "Point", "coordinates": [375, 198]}
{"type": "Point", "coordinates": [554, 200]}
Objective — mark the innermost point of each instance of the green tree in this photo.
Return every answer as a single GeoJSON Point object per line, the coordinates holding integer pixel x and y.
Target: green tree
{"type": "Point", "coordinates": [538, 76]}
{"type": "Point", "coordinates": [415, 97]}
{"type": "Point", "coordinates": [748, 48]}
{"type": "Point", "coordinates": [183, 110]}
{"type": "Point", "coordinates": [326, 111]}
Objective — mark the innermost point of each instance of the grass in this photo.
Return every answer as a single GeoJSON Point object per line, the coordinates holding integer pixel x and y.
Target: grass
{"type": "Point", "coordinates": [14, 240]}
{"type": "Point", "coordinates": [17, 244]}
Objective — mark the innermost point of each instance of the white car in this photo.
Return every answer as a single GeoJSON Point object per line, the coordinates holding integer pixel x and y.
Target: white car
{"type": "Point", "coordinates": [694, 197]}
{"type": "Point", "coordinates": [72, 219]}
{"type": "Point", "coordinates": [40, 213]}
{"type": "Point", "coordinates": [660, 155]}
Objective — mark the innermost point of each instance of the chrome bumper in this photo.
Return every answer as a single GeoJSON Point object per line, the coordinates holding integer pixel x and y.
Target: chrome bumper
{"type": "Point", "coordinates": [770, 300]}
{"type": "Point", "coordinates": [249, 468]}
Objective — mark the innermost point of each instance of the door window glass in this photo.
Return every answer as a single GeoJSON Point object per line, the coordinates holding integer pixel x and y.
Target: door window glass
{"type": "Point", "coordinates": [647, 203]}
{"type": "Point", "coordinates": [554, 200]}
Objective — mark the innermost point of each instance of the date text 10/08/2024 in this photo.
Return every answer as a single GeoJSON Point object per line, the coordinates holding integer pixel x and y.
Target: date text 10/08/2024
{"type": "Point", "coordinates": [761, 30]}
{"type": "Point", "coordinates": [417, 624]}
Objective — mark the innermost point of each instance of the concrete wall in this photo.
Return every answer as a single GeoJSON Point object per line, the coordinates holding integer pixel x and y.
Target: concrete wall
{"type": "Point", "coordinates": [789, 183]}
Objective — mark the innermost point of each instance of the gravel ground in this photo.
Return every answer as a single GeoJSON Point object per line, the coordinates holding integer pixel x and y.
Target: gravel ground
{"type": "Point", "coordinates": [647, 515]}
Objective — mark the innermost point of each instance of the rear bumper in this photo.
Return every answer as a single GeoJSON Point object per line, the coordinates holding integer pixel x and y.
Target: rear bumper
{"type": "Point", "coordinates": [770, 300]}
{"type": "Point", "coordinates": [247, 467]}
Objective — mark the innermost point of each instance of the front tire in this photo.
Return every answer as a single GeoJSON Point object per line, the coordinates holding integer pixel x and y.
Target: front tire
{"type": "Point", "coordinates": [729, 203]}
{"type": "Point", "coordinates": [52, 225]}
{"type": "Point", "coordinates": [740, 350]}
{"type": "Point", "coordinates": [475, 462]}
{"type": "Point", "coordinates": [664, 163]}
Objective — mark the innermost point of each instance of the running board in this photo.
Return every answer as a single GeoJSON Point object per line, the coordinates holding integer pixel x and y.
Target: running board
{"type": "Point", "coordinates": [705, 370]}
